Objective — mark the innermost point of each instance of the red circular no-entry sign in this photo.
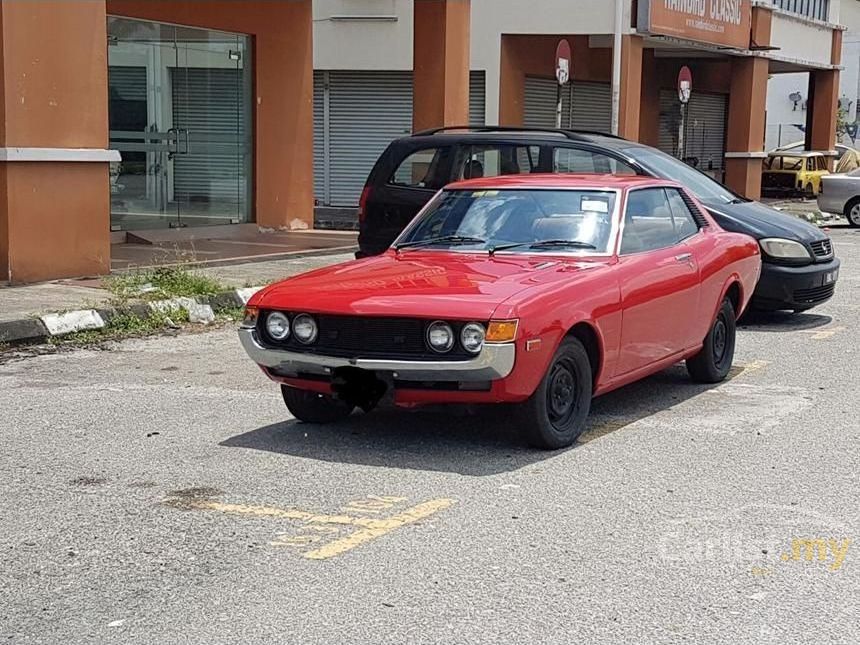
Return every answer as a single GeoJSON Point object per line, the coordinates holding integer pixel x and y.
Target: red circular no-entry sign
{"type": "Point", "coordinates": [685, 84]}
{"type": "Point", "coordinates": [563, 59]}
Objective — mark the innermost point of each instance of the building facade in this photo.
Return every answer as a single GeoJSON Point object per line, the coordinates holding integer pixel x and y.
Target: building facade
{"type": "Point", "coordinates": [155, 114]}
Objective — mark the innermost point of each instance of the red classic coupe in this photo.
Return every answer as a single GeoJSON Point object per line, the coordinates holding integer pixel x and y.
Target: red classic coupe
{"type": "Point", "coordinates": [539, 290]}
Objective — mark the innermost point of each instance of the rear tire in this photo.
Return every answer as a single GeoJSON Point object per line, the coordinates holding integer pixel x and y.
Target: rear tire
{"type": "Point", "coordinates": [852, 212]}
{"type": "Point", "coordinates": [312, 407]}
{"type": "Point", "coordinates": [713, 362]}
{"type": "Point", "coordinates": [554, 416]}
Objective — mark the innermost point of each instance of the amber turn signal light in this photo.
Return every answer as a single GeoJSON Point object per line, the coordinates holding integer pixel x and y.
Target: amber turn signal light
{"type": "Point", "coordinates": [250, 319]}
{"type": "Point", "coordinates": [502, 331]}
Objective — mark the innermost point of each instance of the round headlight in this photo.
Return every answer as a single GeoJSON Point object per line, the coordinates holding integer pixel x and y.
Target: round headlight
{"type": "Point", "coordinates": [440, 337]}
{"type": "Point", "coordinates": [278, 325]}
{"type": "Point", "coordinates": [472, 337]}
{"type": "Point", "coordinates": [305, 329]}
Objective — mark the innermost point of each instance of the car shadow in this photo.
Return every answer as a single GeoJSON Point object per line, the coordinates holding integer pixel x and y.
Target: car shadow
{"type": "Point", "coordinates": [474, 441]}
{"type": "Point", "coordinates": [781, 321]}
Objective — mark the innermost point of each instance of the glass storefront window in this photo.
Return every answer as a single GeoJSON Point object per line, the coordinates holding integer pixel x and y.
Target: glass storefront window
{"type": "Point", "coordinates": [180, 116]}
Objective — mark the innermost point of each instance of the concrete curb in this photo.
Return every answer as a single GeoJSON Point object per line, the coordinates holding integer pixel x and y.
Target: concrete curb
{"type": "Point", "coordinates": [39, 329]}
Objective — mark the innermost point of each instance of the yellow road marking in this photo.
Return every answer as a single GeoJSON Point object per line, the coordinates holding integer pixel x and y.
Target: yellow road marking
{"type": "Point", "coordinates": [824, 334]}
{"type": "Point", "coordinates": [753, 366]}
{"type": "Point", "coordinates": [368, 528]}
{"type": "Point", "coordinates": [409, 516]}
{"type": "Point", "coordinates": [603, 429]}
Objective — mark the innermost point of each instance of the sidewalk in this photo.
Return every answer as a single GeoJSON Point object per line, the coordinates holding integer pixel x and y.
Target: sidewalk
{"type": "Point", "coordinates": [22, 307]}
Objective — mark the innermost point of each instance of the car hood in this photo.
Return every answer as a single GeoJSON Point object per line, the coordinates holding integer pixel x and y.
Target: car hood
{"type": "Point", "coordinates": [424, 284]}
{"type": "Point", "coordinates": [760, 221]}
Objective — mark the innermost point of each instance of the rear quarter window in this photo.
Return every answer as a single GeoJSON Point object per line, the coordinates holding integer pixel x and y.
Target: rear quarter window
{"type": "Point", "coordinates": [421, 169]}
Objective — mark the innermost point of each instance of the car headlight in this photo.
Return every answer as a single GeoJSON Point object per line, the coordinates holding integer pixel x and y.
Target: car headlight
{"type": "Point", "coordinates": [784, 249]}
{"type": "Point", "coordinates": [305, 329]}
{"type": "Point", "coordinates": [472, 337]}
{"type": "Point", "coordinates": [278, 325]}
{"type": "Point", "coordinates": [440, 337]}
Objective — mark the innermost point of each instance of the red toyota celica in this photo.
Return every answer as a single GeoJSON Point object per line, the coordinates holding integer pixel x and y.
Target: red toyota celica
{"type": "Point", "coordinates": [539, 290]}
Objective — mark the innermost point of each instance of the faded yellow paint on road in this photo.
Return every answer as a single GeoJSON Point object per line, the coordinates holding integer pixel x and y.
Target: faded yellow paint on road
{"type": "Point", "coordinates": [749, 368]}
{"type": "Point", "coordinates": [409, 516]}
{"type": "Point", "coordinates": [823, 334]}
{"type": "Point", "coordinates": [368, 528]}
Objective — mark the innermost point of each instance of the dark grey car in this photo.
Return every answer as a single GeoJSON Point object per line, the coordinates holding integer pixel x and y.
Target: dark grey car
{"type": "Point", "coordinates": [799, 269]}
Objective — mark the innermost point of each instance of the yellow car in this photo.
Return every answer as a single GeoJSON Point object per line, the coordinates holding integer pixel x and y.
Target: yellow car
{"type": "Point", "coordinates": [794, 172]}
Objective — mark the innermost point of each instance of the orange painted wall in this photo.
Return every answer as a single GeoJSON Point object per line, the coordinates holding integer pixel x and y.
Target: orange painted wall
{"type": "Point", "coordinates": [441, 63]}
{"type": "Point", "coordinates": [54, 217]}
{"type": "Point", "coordinates": [283, 64]}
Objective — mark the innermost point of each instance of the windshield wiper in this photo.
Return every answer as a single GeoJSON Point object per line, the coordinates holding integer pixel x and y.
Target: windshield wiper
{"type": "Point", "coordinates": [445, 239]}
{"type": "Point", "coordinates": [544, 244]}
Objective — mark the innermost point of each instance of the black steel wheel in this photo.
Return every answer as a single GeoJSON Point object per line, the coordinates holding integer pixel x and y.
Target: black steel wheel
{"type": "Point", "coordinates": [713, 362]}
{"type": "Point", "coordinates": [554, 416]}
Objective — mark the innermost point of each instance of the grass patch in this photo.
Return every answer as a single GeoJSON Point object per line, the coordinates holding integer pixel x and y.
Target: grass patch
{"type": "Point", "coordinates": [125, 324]}
{"type": "Point", "coordinates": [162, 282]}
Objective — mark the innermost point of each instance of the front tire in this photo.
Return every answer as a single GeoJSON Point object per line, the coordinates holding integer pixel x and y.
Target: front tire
{"type": "Point", "coordinates": [554, 416]}
{"type": "Point", "coordinates": [852, 212]}
{"type": "Point", "coordinates": [713, 362]}
{"type": "Point", "coordinates": [312, 407]}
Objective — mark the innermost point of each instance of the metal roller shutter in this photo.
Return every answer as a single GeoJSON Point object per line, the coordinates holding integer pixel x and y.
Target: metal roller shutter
{"type": "Point", "coordinates": [706, 128]}
{"type": "Point", "coordinates": [592, 105]}
{"type": "Point", "coordinates": [127, 83]}
{"type": "Point", "coordinates": [477, 98]}
{"type": "Point", "coordinates": [319, 138]}
{"type": "Point", "coordinates": [207, 103]}
{"type": "Point", "coordinates": [367, 111]}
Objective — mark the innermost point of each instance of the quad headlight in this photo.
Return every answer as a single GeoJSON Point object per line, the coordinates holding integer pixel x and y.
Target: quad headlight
{"type": "Point", "coordinates": [305, 329]}
{"type": "Point", "coordinates": [472, 337]}
{"type": "Point", "coordinates": [440, 337]}
{"type": "Point", "coordinates": [784, 249]}
{"type": "Point", "coordinates": [278, 325]}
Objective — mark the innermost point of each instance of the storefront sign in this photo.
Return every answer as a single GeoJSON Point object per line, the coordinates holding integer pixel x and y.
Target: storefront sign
{"type": "Point", "coordinates": [725, 23]}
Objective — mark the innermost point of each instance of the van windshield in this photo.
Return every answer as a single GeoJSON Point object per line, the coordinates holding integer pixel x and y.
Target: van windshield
{"type": "Point", "coordinates": [667, 167]}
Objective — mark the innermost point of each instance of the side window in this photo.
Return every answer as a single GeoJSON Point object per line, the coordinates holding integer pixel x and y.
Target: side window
{"type": "Point", "coordinates": [685, 223]}
{"type": "Point", "coordinates": [648, 221]}
{"type": "Point", "coordinates": [588, 161]}
{"type": "Point", "coordinates": [420, 170]}
{"type": "Point", "coordinates": [478, 161]}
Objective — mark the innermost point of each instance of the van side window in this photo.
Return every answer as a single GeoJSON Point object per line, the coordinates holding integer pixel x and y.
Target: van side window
{"type": "Point", "coordinates": [487, 160]}
{"type": "Point", "coordinates": [577, 160]}
{"type": "Point", "coordinates": [421, 170]}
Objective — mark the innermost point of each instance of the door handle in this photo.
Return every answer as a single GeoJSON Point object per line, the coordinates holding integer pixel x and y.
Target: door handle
{"type": "Point", "coordinates": [684, 257]}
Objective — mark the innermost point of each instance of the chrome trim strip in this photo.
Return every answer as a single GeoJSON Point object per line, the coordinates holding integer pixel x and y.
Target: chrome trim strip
{"type": "Point", "coordinates": [495, 361]}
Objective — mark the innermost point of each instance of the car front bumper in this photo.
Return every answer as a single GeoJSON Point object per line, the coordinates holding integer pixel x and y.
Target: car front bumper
{"type": "Point", "coordinates": [797, 288]}
{"type": "Point", "coordinates": [496, 361]}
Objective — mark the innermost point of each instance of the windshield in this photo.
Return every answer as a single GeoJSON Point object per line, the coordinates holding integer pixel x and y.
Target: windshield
{"type": "Point", "coordinates": [567, 221]}
{"type": "Point", "coordinates": [668, 167]}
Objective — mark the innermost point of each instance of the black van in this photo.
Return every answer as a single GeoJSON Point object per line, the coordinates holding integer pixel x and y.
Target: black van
{"type": "Point", "coordinates": [799, 268]}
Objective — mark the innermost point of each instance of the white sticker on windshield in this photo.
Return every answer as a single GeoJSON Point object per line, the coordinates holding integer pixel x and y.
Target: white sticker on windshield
{"type": "Point", "coordinates": [594, 205]}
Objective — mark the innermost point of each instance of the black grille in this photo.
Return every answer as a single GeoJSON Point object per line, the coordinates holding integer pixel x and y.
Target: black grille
{"type": "Point", "coordinates": [816, 294]}
{"type": "Point", "coordinates": [822, 248]}
{"type": "Point", "coordinates": [370, 337]}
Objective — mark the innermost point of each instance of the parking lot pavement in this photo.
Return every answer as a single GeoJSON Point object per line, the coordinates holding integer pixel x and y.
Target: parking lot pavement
{"type": "Point", "coordinates": [160, 493]}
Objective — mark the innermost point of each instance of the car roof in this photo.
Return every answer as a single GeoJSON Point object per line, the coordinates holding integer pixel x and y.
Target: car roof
{"type": "Point", "coordinates": [516, 135]}
{"type": "Point", "coordinates": [590, 181]}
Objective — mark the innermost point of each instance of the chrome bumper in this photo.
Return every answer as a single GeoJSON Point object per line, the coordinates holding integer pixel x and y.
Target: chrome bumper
{"type": "Point", "coordinates": [494, 362]}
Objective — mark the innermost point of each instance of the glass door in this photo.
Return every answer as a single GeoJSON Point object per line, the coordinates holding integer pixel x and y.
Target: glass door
{"type": "Point", "coordinates": [179, 116]}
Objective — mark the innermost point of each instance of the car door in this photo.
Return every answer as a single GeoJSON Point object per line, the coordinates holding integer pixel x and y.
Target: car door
{"type": "Point", "coordinates": [393, 199]}
{"type": "Point", "coordinates": [659, 281]}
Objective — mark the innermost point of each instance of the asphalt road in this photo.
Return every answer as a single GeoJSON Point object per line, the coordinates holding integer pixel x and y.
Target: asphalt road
{"type": "Point", "coordinates": [159, 493]}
